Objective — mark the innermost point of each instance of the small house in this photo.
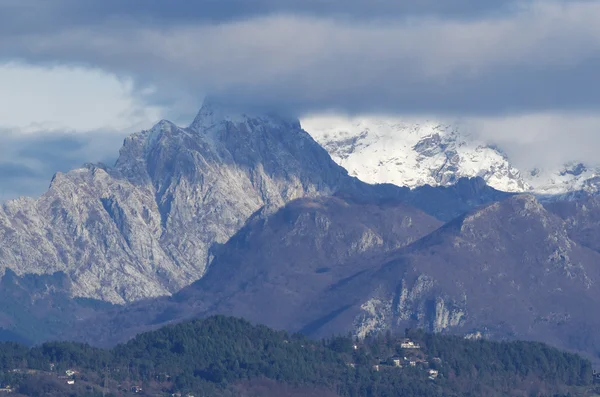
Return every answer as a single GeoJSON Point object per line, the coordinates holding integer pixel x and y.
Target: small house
{"type": "Point", "coordinates": [433, 373]}
{"type": "Point", "coordinates": [409, 344]}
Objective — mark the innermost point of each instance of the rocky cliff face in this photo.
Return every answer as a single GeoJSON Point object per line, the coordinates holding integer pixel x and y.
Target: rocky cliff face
{"type": "Point", "coordinates": [582, 219]}
{"type": "Point", "coordinates": [145, 227]}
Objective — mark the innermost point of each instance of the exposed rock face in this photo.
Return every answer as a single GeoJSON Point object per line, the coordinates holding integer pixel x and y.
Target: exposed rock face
{"type": "Point", "coordinates": [145, 227]}
{"type": "Point", "coordinates": [582, 219]}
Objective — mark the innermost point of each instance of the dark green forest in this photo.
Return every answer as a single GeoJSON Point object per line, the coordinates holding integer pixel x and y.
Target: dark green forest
{"type": "Point", "coordinates": [221, 356]}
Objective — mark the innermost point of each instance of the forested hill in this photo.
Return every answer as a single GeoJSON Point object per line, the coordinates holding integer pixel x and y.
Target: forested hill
{"type": "Point", "coordinates": [221, 356]}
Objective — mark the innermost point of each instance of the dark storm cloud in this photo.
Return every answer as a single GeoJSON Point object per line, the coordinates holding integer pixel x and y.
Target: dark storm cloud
{"type": "Point", "coordinates": [534, 57]}
{"type": "Point", "coordinates": [43, 15]}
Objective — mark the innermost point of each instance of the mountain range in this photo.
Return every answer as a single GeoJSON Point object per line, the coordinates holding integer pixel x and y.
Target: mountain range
{"type": "Point", "coordinates": [146, 226]}
{"type": "Point", "coordinates": [247, 215]}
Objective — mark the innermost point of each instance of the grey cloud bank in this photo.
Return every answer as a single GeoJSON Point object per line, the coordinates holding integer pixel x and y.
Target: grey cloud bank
{"type": "Point", "coordinates": [40, 15]}
{"type": "Point", "coordinates": [540, 56]}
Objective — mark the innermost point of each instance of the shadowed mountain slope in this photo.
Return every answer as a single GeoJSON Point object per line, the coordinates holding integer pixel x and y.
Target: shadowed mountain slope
{"type": "Point", "coordinates": [508, 270]}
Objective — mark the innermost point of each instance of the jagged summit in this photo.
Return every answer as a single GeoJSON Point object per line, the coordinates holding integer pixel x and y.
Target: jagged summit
{"type": "Point", "coordinates": [214, 122]}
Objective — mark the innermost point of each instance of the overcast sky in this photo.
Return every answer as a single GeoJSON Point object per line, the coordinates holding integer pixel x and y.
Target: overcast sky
{"type": "Point", "coordinates": [77, 76]}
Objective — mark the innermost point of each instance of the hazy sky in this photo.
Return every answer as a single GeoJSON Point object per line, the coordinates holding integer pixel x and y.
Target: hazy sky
{"type": "Point", "coordinates": [77, 76]}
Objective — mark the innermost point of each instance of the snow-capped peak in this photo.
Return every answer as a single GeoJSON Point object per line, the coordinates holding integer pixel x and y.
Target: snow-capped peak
{"type": "Point", "coordinates": [413, 153]}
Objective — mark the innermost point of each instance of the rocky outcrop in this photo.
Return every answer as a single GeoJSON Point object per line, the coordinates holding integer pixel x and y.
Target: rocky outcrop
{"type": "Point", "coordinates": [418, 304]}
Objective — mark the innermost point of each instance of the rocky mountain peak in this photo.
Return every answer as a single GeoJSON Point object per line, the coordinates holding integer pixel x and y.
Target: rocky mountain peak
{"type": "Point", "coordinates": [147, 226]}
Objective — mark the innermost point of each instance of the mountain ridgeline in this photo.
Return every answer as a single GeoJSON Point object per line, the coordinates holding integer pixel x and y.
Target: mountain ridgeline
{"type": "Point", "coordinates": [222, 356]}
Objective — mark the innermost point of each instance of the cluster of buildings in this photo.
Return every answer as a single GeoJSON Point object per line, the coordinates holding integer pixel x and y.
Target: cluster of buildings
{"type": "Point", "coordinates": [412, 359]}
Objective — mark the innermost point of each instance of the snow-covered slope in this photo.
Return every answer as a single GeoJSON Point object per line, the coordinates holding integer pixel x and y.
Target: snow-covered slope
{"type": "Point", "coordinates": [414, 154]}
{"type": "Point", "coordinates": [570, 178]}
